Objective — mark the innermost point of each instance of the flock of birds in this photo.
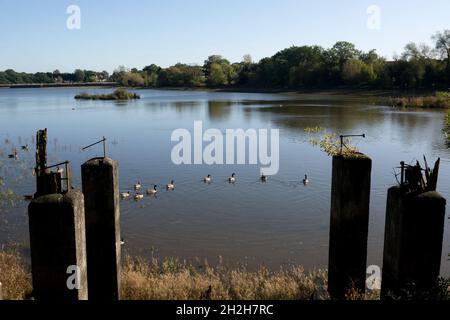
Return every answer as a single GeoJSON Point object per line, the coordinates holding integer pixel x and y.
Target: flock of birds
{"type": "Point", "coordinates": [15, 154]}
{"type": "Point", "coordinates": [171, 186]}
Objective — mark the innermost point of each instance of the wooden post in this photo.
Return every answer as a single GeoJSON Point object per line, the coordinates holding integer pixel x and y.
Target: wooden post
{"type": "Point", "coordinates": [350, 195]}
{"type": "Point", "coordinates": [57, 242]}
{"type": "Point", "coordinates": [100, 180]}
{"type": "Point", "coordinates": [46, 182]}
{"type": "Point", "coordinates": [413, 241]}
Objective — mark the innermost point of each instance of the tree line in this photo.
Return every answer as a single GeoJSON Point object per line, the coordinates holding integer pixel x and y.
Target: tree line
{"type": "Point", "coordinates": [420, 66]}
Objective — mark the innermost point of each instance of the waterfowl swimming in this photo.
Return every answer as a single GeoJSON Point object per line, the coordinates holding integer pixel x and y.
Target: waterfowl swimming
{"type": "Point", "coordinates": [137, 186]}
{"type": "Point", "coordinates": [207, 179]}
{"type": "Point", "coordinates": [13, 155]}
{"type": "Point", "coordinates": [171, 185]}
{"type": "Point", "coordinates": [138, 196]}
{"type": "Point", "coordinates": [125, 194]}
{"type": "Point", "coordinates": [25, 147]}
{"type": "Point", "coordinates": [232, 179]}
{"type": "Point", "coordinates": [263, 178]}
{"type": "Point", "coordinates": [305, 180]}
{"type": "Point", "coordinates": [152, 191]}
{"type": "Point", "coordinates": [122, 241]}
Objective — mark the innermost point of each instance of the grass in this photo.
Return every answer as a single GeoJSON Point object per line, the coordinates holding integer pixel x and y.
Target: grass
{"type": "Point", "coordinates": [439, 100]}
{"type": "Point", "coordinates": [171, 279]}
{"type": "Point", "coordinates": [16, 281]}
{"type": "Point", "coordinates": [118, 94]}
{"type": "Point", "coordinates": [180, 281]}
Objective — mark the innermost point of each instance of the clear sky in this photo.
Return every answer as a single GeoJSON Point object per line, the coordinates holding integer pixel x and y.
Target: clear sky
{"type": "Point", "coordinates": [135, 33]}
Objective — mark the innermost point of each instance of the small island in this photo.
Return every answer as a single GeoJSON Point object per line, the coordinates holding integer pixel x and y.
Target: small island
{"type": "Point", "coordinates": [118, 94]}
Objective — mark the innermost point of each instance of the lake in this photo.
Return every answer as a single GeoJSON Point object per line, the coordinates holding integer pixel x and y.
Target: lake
{"type": "Point", "coordinates": [275, 223]}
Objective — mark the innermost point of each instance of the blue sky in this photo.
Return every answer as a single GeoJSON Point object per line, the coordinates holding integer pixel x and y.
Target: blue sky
{"type": "Point", "coordinates": [135, 33]}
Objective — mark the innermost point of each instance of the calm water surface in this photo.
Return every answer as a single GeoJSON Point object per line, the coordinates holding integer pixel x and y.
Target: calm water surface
{"type": "Point", "coordinates": [274, 224]}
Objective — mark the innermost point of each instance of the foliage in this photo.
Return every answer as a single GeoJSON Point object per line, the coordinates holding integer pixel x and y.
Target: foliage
{"type": "Point", "coordinates": [419, 67]}
{"type": "Point", "coordinates": [330, 143]}
{"type": "Point", "coordinates": [441, 99]}
{"type": "Point", "coordinates": [118, 94]}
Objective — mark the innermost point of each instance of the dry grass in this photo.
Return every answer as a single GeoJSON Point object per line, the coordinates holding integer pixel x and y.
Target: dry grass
{"type": "Point", "coordinates": [180, 281]}
{"type": "Point", "coordinates": [172, 280]}
{"type": "Point", "coordinates": [16, 281]}
{"type": "Point", "coordinates": [439, 100]}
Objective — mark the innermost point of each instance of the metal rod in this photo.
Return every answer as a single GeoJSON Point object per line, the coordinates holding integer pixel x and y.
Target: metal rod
{"type": "Point", "coordinates": [348, 136]}
{"type": "Point", "coordinates": [101, 141]}
{"type": "Point", "coordinates": [57, 165]}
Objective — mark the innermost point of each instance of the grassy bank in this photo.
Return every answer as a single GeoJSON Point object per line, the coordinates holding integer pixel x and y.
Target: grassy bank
{"type": "Point", "coordinates": [171, 279]}
{"type": "Point", "coordinates": [118, 94]}
{"type": "Point", "coordinates": [438, 100]}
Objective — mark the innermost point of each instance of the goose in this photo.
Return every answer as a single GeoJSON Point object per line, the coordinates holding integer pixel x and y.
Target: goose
{"type": "Point", "coordinates": [122, 241]}
{"type": "Point", "coordinates": [152, 191]}
{"type": "Point", "coordinates": [263, 178]}
{"type": "Point", "coordinates": [13, 155]}
{"type": "Point", "coordinates": [232, 179]}
{"type": "Point", "coordinates": [137, 186]}
{"type": "Point", "coordinates": [125, 194]}
{"type": "Point", "coordinates": [207, 179]}
{"type": "Point", "coordinates": [171, 185]}
{"type": "Point", "coordinates": [138, 196]}
{"type": "Point", "coordinates": [305, 180]}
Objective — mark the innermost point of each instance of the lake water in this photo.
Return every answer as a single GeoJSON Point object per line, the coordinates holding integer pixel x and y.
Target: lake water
{"type": "Point", "coordinates": [274, 224]}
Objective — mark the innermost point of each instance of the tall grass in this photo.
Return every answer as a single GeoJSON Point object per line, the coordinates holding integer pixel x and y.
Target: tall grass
{"type": "Point", "coordinates": [181, 281]}
{"type": "Point", "coordinates": [439, 100]}
{"type": "Point", "coordinates": [16, 281]}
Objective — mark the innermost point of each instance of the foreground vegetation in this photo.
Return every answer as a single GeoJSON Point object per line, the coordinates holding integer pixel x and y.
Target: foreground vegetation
{"type": "Point", "coordinates": [420, 66]}
{"type": "Point", "coordinates": [438, 100]}
{"type": "Point", "coordinates": [172, 280]}
{"type": "Point", "coordinates": [118, 94]}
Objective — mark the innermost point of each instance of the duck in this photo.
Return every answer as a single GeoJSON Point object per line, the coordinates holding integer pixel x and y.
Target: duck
{"type": "Point", "coordinates": [170, 186]}
{"type": "Point", "coordinates": [137, 186]}
{"type": "Point", "coordinates": [122, 241]}
{"type": "Point", "coordinates": [125, 194]}
{"type": "Point", "coordinates": [207, 179]}
{"type": "Point", "coordinates": [138, 196]}
{"type": "Point", "coordinates": [152, 191]}
{"type": "Point", "coordinates": [263, 178]}
{"type": "Point", "coordinates": [305, 180]}
{"type": "Point", "coordinates": [232, 179]}
{"type": "Point", "coordinates": [25, 147]}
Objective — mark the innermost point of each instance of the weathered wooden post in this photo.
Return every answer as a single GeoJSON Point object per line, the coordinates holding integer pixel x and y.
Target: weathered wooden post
{"type": "Point", "coordinates": [350, 196]}
{"type": "Point", "coordinates": [100, 182]}
{"type": "Point", "coordinates": [57, 235]}
{"type": "Point", "coordinates": [57, 241]}
{"type": "Point", "coordinates": [47, 182]}
{"type": "Point", "coordinates": [415, 217]}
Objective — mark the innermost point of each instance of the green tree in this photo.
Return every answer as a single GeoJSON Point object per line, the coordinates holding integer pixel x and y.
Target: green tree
{"type": "Point", "coordinates": [79, 75]}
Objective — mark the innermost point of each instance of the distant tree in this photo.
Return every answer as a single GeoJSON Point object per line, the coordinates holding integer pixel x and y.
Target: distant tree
{"type": "Point", "coordinates": [442, 44]}
{"type": "Point", "coordinates": [79, 75]}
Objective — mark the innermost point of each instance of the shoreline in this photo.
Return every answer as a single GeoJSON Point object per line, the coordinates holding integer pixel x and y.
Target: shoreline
{"type": "Point", "coordinates": [328, 91]}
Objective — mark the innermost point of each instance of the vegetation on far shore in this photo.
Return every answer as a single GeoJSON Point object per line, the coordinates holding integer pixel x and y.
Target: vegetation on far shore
{"type": "Point", "coordinates": [440, 99]}
{"type": "Point", "coordinates": [419, 67]}
{"type": "Point", "coordinates": [118, 94]}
